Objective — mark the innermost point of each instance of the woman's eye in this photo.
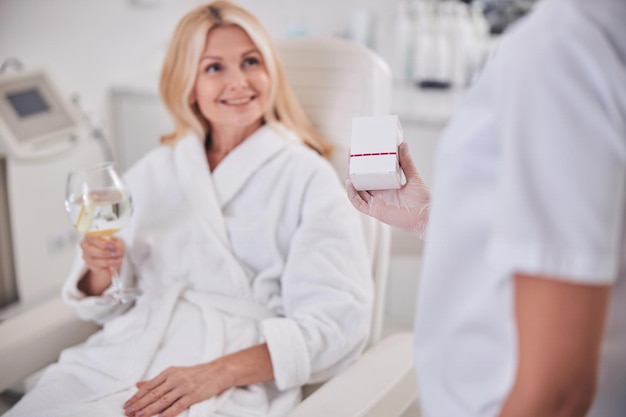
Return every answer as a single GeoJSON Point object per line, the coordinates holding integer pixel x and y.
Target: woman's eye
{"type": "Point", "coordinates": [248, 62]}
{"type": "Point", "coordinates": [213, 68]}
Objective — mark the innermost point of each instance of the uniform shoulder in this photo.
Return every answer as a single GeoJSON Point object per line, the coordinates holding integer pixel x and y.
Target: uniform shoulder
{"type": "Point", "coordinates": [552, 29]}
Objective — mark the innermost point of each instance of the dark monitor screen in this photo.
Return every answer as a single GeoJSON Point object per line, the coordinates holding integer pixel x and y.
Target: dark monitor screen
{"type": "Point", "coordinates": [27, 102]}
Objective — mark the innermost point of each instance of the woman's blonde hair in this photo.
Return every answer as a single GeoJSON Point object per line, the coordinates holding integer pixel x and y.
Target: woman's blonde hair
{"type": "Point", "coordinates": [180, 67]}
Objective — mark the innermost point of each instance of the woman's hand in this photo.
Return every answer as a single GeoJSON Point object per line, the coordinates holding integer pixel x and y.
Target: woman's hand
{"type": "Point", "coordinates": [406, 208]}
{"type": "Point", "coordinates": [102, 256]}
{"type": "Point", "coordinates": [176, 389]}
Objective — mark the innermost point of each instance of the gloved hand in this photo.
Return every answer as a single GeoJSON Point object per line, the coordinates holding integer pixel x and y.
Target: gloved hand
{"type": "Point", "coordinates": [407, 207]}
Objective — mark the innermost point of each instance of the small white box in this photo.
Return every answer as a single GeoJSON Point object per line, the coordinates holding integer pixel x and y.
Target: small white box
{"type": "Point", "coordinates": [374, 153]}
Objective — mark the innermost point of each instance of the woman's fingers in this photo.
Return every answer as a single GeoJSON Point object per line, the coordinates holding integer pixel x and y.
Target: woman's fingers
{"type": "Point", "coordinates": [156, 401]}
{"type": "Point", "coordinates": [152, 397]}
{"type": "Point", "coordinates": [178, 407]}
{"type": "Point", "coordinates": [101, 253]}
{"type": "Point", "coordinates": [175, 390]}
{"type": "Point", "coordinates": [144, 387]}
{"type": "Point", "coordinates": [161, 395]}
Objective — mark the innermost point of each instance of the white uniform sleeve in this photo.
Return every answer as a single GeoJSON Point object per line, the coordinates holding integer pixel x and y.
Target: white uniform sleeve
{"type": "Point", "coordinates": [562, 172]}
{"type": "Point", "coordinates": [326, 288]}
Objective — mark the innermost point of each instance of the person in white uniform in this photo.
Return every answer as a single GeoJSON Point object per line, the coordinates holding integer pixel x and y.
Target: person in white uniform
{"type": "Point", "coordinates": [522, 302]}
{"type": "Point", "coordinates": [254, 272]}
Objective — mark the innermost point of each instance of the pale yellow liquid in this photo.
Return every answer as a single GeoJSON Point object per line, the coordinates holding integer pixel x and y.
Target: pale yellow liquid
{"type": "Point", "coordinates": [102, 213]}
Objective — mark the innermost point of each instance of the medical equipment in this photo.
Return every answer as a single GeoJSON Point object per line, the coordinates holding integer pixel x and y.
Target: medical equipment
{"type": "Point", "coordinates": [35, 120]}
{"type": "Point", "coordinates": [374, 153]}
{"type": "Point", "coordinates": [42, 137]}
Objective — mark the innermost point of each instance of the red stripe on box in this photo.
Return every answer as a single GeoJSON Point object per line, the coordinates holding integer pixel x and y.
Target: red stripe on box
{"type": "Point", "coordinates": [354, 155]}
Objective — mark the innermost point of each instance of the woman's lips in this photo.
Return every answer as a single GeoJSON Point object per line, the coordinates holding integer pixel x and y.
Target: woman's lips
{"type": "Point", "coordinates": [237, 101]}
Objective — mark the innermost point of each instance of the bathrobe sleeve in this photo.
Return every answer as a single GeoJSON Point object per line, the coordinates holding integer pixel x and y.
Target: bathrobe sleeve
{"type": "Point", "coordinates": [327, 288]}
{"type": "Point", "coordinates": [87, 307]}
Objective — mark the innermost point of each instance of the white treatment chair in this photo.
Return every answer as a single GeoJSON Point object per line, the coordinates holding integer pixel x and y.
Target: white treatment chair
{"type": "Point", "coordinates": [335, 80]}
{"type": "Point", "coordinates": [33, 339]}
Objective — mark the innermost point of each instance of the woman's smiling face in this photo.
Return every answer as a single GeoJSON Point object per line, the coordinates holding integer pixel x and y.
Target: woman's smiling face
{"type": "Point", "coordinates": [232, 85]}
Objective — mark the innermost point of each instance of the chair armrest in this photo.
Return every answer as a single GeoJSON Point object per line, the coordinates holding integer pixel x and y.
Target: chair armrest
{"type": "Point", "coordinates": [381, 383]}
{"type": "Point", "coordinates": [34, 338]}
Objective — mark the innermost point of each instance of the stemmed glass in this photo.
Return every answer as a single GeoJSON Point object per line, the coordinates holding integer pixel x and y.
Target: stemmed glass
{"type": "Point", "coordinates": [98, 203]}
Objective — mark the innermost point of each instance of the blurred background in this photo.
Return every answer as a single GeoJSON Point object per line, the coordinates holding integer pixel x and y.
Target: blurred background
{"type": "Point", "coordinates": [90, 45]}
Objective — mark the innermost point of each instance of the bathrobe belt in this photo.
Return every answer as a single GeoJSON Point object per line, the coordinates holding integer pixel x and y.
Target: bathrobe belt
{"type": "Point", "coordinates": [231, 305]}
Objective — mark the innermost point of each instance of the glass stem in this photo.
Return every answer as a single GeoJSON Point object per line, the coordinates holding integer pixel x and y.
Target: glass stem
{"type": "Point", "coordinates": [115, 279]}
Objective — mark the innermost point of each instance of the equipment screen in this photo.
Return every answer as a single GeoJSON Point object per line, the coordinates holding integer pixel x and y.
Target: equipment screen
{"type": "Point", "coordinates": [32, 110]}
{"type": "Point", "coordinates": [28, 102]}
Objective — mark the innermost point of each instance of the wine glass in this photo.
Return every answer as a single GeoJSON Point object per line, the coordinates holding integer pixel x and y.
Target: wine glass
{"type": "Point", "coordinates": [98, 203]}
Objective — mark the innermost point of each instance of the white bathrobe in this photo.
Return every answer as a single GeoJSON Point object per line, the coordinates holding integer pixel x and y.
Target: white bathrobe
{"type": "Point", "coordinates": [266, 248]}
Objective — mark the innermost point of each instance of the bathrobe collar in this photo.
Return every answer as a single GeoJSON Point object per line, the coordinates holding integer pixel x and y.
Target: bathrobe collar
{"type": "Point", "coordinates": [210, 192]}
{"type": "Point", "coordinates": [235, 170]}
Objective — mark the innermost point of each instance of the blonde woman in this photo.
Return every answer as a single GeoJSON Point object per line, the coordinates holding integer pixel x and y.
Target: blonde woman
{"type": "Point", "coordinates": [254, 275]}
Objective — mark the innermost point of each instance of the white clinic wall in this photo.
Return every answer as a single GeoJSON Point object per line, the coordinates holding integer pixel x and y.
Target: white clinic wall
{"type": "Point", "coordinates": [89, 45]}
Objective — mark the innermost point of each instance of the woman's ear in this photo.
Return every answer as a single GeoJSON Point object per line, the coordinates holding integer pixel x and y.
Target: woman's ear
{"type": "Point", "coordinates": [192, 98]}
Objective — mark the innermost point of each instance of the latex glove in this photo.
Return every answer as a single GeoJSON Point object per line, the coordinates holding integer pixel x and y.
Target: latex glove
{"type": "Point", "coordinates": [407, 207]}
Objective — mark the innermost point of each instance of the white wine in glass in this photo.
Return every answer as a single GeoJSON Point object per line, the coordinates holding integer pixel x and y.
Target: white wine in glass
{"type": "Point", "coordinates": [98, 203]}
